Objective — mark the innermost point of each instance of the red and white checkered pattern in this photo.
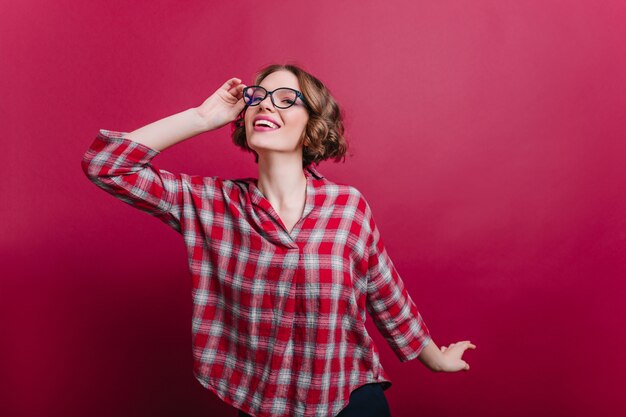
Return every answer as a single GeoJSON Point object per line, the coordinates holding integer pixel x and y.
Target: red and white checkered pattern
{"type": "Point", "coordinates": [278, 320]}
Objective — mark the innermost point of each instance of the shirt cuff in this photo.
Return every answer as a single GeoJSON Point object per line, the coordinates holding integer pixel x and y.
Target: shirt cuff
{"type": "Point", "coordinates": [120, 137]}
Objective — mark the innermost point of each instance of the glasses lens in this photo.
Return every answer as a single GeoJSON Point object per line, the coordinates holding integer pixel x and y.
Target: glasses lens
{"type": "Point", "coordinates": [254, 95]}
{"type": "Point", "coordinates": [284, 97]}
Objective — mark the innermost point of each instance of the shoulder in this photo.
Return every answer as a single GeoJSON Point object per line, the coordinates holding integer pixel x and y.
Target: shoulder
{"type": "Point", "coordinates": [213, 186]}
{"type": "Point", "coordinates": [325, 184]}
{"type": "Point", "coordinates": [359, 199]}
{"type": "Point", "coordinates": [338, 193]}
{"type": "Point", "coordinates": [350, 199]}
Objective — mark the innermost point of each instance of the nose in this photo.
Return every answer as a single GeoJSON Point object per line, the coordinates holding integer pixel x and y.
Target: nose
{"type": "Point", "coordinates": [267, 103]}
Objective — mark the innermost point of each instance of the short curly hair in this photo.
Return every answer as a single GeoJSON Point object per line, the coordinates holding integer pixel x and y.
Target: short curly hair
{"type": "Point", "coordinates": [324, 133]}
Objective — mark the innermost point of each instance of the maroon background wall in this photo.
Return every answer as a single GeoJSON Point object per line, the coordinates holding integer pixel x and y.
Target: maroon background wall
{"type": "Point", "coordinates": [488, 137]}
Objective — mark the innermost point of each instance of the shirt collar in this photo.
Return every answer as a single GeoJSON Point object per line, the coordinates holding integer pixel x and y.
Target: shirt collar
{"type": "Point", "coordinates": [310, 170]}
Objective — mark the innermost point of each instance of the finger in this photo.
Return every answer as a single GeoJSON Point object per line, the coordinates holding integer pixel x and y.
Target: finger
{"type": "Point", "coordinates": [464, 348]}
{"type": "Point", "coordinates": [467, 367]}
{"type": "Point", "coordinates": [466, 344]}
{"type": "Point", "coordinates": [236, 90]}
{"type": "Point", "coordinates": [230, 83]}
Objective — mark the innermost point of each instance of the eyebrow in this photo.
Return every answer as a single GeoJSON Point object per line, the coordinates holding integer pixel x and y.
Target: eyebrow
{"type": "Point", "coordinates": [284, 86]}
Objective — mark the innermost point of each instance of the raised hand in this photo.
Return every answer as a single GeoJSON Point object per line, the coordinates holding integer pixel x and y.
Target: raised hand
{"type": "Point", "coordinates": [223, 106]}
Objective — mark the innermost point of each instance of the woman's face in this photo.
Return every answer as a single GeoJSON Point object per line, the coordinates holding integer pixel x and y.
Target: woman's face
{"type": "Point", "coordinates": [291, 122]}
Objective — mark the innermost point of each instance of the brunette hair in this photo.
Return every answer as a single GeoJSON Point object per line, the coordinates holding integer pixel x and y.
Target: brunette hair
{"type": "Point", "coordinates": [324, 132]}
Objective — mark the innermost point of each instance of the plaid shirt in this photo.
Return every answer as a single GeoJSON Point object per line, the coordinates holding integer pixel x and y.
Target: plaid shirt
{"type": "Point", "coordinates": [278, 324]}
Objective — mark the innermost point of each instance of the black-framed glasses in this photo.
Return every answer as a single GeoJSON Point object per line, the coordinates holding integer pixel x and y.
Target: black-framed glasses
{"type": "Point", "coordinates": [282, 98]}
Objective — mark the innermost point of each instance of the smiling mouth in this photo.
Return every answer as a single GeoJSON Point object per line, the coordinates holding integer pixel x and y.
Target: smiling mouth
{"type": "Point", "coordinates": [264, 126]}
{"type": "Point", "coordinates": [266, 123]}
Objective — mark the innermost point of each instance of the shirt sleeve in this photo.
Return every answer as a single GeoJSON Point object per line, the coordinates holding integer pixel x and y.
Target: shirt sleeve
{"type": "Point", "coordinates": [122, 168]}
{"type": "Point", "coordinates": [388, 301]}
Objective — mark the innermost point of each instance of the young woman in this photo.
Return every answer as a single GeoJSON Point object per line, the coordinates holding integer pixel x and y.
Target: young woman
{"type": "Point", "coordinates": [284, 267]}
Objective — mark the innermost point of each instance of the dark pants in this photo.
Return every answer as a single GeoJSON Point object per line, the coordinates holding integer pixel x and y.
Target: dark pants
{"type": "Point", "coordinates": [366, 401]}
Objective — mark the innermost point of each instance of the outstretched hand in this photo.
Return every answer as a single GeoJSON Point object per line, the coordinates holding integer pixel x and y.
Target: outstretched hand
{"type": "Point", "coordinates": [453, 354]}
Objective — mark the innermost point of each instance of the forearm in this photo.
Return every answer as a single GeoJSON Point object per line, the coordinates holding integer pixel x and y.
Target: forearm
{"type": "Point", "coordinates": [432, 357]}
{"type": "Point", "coordinates": [171, 130]}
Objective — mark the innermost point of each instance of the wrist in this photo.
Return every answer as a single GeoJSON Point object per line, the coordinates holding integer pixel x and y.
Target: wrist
{"type": "Point", "coordinates": [432, 357]}
{"type": "Point", "coordinates": [200, 120]}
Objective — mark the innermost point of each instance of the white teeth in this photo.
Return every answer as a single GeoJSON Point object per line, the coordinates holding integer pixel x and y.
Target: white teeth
{"type": "Point", "coordinates": [266, 123]}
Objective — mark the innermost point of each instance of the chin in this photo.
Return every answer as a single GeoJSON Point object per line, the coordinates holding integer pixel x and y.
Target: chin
{"type": "Point", "coordinates": [264, 140]}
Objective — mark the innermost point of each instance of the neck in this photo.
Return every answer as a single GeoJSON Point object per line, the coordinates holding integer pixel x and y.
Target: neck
{"type": "Point", "coordinates": [282, 182]}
